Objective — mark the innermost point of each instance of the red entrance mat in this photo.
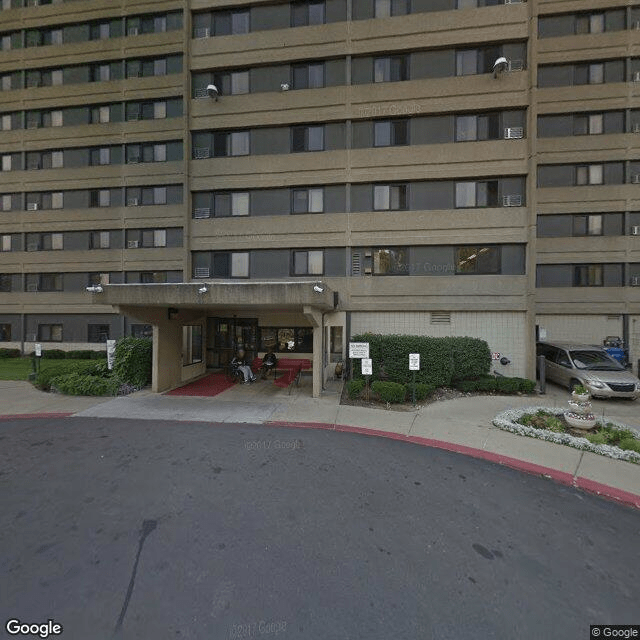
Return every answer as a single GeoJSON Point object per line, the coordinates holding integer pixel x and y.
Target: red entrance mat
{"type": "Point", "coordinates": [210, 385]}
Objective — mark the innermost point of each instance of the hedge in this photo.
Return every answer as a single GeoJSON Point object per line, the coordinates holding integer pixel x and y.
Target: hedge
{"type": "Point", "coordinates": [47, 373]}
{"type": "Point", "coordinates": [389, 391]}
{"type": "Point", "coordinates": [53, 354]}
{"type": "Point", "coordinates": [355, 387]}
{"type": "Point", "coordinates": [442, 360]}
{"type": "Point", "coordinates": [80, 384]}
{"type": "Point", "coordinates": [501, 384]}
{"type": "Point", "coordinates": [133, 361]}
{"type": "Point", "coordinates": [10, 353]}
{"type": "Point", "coordinates": [422, 390]}
{"type": "Point", "coordinates": [86, 354]}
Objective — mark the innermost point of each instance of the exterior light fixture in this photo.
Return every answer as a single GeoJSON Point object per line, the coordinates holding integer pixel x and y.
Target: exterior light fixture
{"type": "Point", "coordinates": [318, 288]}
{"type": "Point", "coordinates": [203, 289]}
{"type": "Point", "coordinates": [284, 86]}
{"type": "Point", "coordinates": [213, 92]}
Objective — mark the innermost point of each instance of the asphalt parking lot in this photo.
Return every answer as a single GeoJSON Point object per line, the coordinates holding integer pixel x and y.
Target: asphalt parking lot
{"type": "Point", "coordinates": [120, 528]}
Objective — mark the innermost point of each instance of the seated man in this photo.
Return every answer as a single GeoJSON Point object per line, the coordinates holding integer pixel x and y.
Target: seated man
{"type": "Point", "coordinates": [270, 361]}
{"type": "Point", "coordinates": [238, 363]}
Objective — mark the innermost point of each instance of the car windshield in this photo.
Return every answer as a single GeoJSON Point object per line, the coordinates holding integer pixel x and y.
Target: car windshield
{"type": "Point", "coordinates": [595, 361]}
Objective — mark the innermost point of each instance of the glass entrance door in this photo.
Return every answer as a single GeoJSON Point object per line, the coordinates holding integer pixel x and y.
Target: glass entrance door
{"type": "Point", "coordinates": [227, 335]}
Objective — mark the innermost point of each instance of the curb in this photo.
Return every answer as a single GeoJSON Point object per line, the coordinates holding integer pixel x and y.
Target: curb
{"type": "Point", "coordinates": [567, 479]}
{"type": "Point", "coordinates": [30, 416]}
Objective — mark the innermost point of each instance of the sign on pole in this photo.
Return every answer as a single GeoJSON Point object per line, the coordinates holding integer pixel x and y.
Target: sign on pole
{"type": "Point", "coordinates": [111, 353]}
{"type": "Point", "coordinates": [38, 349]}
{"type": "Point", "coordinates": [367, 367]}
{"type": "Point", "coordinates": [358, 349]}
{"type": "Point", "coordinates": [414, 362]}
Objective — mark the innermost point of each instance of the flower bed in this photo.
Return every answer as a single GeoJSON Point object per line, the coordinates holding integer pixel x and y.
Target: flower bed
{"type": "Point", "coordinates": [507, 420]}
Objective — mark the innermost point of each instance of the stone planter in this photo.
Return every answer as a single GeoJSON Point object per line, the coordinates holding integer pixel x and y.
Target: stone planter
{"type": "Point", "coordinates": [580, 397]}
{"type": "Point", "coordinates": [579, 415]}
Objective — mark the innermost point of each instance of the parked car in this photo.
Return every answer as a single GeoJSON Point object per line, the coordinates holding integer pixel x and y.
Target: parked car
{"type": "Point", "coordinates": [573, 364]}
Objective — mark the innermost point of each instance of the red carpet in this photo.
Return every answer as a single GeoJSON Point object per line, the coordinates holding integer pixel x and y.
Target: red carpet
{"type": "Point", "coordinates": [210, 385]}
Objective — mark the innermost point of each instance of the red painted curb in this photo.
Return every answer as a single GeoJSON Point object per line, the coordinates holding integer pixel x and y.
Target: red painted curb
{"type": "Point", "coordinates": [25, 416]}
{"type": "Point", "coordinates": [567, 479]}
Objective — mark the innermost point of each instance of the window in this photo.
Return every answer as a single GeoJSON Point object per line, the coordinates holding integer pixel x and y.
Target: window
{"type": "Point", "coordinates": [141, 330]}
{"type": "Point", "coordinates": [159, 195]}
{"type": "Point", "coordinates": [587, 225]}
{"type": "Point", "coordinates": [5, 327]}
{"type": "Point", "coordinates": [467, 62]}
{"type": "Point", "coordinates": [98, 332]}
{"type": "Point", "coordinates": [588, 275]}
{"type": "Point", "coordinates": [159, 152]}
{"type": "Point", "coordinates": [590, 23]}
{"type": "Point", "coordinates": [308, 76]}
{"type": "Point", "coordinates": [388, 8]}
{"type": "Point", "coordinates": [307, 13]}
{"type": "Point", "coordinates": [390, 262]}
{"type": "Point", "coordinates": [476, 194]}
{"type": "Point", "coordinates": [5, 243]}
{"type": "Point", "coordinates": [6, 163]}
{"type": "Point", "coordinates": [287, 340]}
{"type": "Point", "coordinates": [6, 202]}
{"type": "Point", "coordinates": [159, 110]}
{"type": "Point", "coordinates": [478, 127]}
{"type": "Point", "coordinates": [335, 344]}
{"type": "Point", "coordinates": [51, 282]}
{"type": "Point", "coordinates": [5, 283]}
{"type": "Point", "coordinates": [308, 200]}
{"type": "Point", "coordinates": [589, 174]}
{"type": "Point", "coordinates": [191, 344]}
{"type": "Point", "coordinates": [100, 240]}
{"type": "Point", "coordinates": [240, 204]}
{"type": "Point", "coordinates": [238, 143]}
{"type": "Point", "coordinates": [100, 115]}
{"type": "Point", "coordinates": [307, 263]}
{"type": "Point", "coordinates": [596, 73]}
{"type": "Point", "coordinates": [239, 82]}
{"type": "Point", "coordinates": [96, 279]}
{"type": "Point", "coordinates": [50, 332]}
{"type": "Point", "coordinates": [57, 200]}
{"type": "Point", "coordinates": [390, 133]}
{"type": "Point", "coordinates": [387, 197]}
{"type": "Point", "coordinates": [153, 277]}
{"type": "Point", "coordinates": [307, 138]}
{"type": "Point", "coordinates": [588, 124]}
{"type": "Point", "coordinates": [390, 69]}
{"type": "Point", "coordinates": [478, 260]}
{"type": "Point", "coordinates": [56, 118]}
{"type": "Point", "coordinates": [240, 265]}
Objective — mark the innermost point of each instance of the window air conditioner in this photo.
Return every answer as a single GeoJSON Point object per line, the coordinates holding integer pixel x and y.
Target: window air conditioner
{"type": "Point", "coordinates": [201, 272]}
{"type": "Point", "coordinates": [200, 153]}
{"type": "Point", "coordinates": [635, 178]}
{"type": "Point", "coordinates": [513, 1]}
{"type": "Point", "coordinates": [132, 31]}
{"type": "Point", "coordinates": [355, 263]}
{"type": "Point", "coordinates": [513, 200]}
{"type": "Point", "coordinates": [132, 202]}
{"type": "Point", "coordinates": [201, 32]}
{"type": "Point", "coordinates": [202, 92]}
{"type": "Point", "coordinates": [32, 206]}
{"type": "Point", "coordinates": [513, 133]}
{"type": "Point", "coordinates": [132, 244]}
{"type": "Point", "coordinates": [635, 230]}
{"type": "Point", "coordinates": [516, 65]}
{"type": "Point", "coordinates": [636, 76]}
{"type": "Point", "coordinates": [201, 213]}
{"type": "Point", "coordinates": [635, 281]}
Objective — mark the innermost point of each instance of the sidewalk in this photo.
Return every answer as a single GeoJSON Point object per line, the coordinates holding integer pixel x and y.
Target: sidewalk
{"type": "Point", "coordinates": [462, 425]}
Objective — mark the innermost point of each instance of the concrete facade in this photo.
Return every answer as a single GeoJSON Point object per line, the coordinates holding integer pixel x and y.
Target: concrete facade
{"type": "Point", "coordinates": [376, 154]}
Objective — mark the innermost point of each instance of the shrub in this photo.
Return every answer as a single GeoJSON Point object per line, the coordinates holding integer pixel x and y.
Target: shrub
{"type": "Point", "coordinates": [133, 360]}
{"type": "Point", "coordinates": [81, 384]}
{"type": "Point", "coordinates": [555, 424]}
{"type": "Point", "coordinates": [466, 386]}
{"type": "Point", "coordinates": [54, 354]}
{"type": "Point", "coordinates": [50, 371]}
{"type": "Point", "coordinates": [86, 354]}
{"type": "Point", "coordinates": [354, 387]}
{"type": "Point", "coordinates": [389, 391]}
{"type": "Point", "coordinates": [525, 385]}
{"type": "Point", "coordinates": [507, 385]}
{"type": "Point", "coordinates": [99, 369]}
{"type": "Point", "coordinates": [596, 438]}
{"type": "Point", "coordinates": [630, 444]}
{"type": "Point", "coordinates": [422, 390]}
{"type": "Point", "coordinates": [10, 353]}
{"type": "Point", "coordinates": [441, 359]}
{"type": "Point", "coordinates": [487, 383]}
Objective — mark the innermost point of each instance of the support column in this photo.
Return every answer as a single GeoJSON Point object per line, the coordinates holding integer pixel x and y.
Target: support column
{"type": "Point", "coordinates": [167, 355]}
{"type": "Point", "coordinates": [315, 316]}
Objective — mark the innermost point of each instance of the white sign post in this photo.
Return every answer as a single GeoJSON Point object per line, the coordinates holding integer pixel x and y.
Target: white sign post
{"type": "Point", "coordinates": [414, 365]}
{"type": "Point", "coordinates": [111, 353]}
{"type": "Point", "coordinates": [366, 364]}
{"type": "Point", "coordinates": [38, 349]}
{"type": "Point", "coordinates": [36, 360]}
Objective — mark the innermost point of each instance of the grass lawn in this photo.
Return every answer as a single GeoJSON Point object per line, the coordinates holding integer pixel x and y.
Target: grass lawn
{"type": "Point", "coordinates": [19, 368]}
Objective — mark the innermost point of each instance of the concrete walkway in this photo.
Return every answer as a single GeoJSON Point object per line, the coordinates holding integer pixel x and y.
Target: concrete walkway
{"type": "Point", "coordinates": [462, 424]}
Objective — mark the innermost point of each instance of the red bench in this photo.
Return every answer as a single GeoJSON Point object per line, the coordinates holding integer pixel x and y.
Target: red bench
{"type": "Point", "coordinates": [291, 369]}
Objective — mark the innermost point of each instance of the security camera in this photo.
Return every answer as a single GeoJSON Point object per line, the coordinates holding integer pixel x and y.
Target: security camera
{"type": "Point", "coordinates": [213, 92]}
{"type": "Point", "coordinates": [284, 86]}
{"type": "Point", "coordinates": [318, 288]}
{"type": "Point", "coordinates": [500, 66]}
{"type": "Point", "coordinates": [505, 361]}
{"type": "Point", "coordinates": [203, 289]}
{"type": "Point", "coordinates": [95, 289]}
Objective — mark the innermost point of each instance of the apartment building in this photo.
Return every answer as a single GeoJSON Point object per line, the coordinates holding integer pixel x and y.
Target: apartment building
{"type": "Point", "coordinates": [289, 174]}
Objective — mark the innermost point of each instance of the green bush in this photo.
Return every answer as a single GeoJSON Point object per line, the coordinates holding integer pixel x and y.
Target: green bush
{"type": "Point", "coordinates": [80, 384]}
{"type": "Point", "coordinates": [86, 354]}
{"type": "Point", "coordinates": [99, 369]}
{"type": "Point", "coordinates": [525, 385]}
{"type": "Point", "coordinates": [53, 354]}
{"type": "Point", "coordinates": [50, 371]}
{"type": "Point", "coordinates": [466, 386]}
{"type": "Point", "coordinates": [630, 444]}
{"type": "Point", "coordinates": [441, 359]}
{"type": "Point", "coordinates": [507, 385]}
{"type": "Point", "coordinates": [10, 353]}
{"type": "Point", "coordinates": [133, 361]}
{"type": "Point", "coordinates": [389, 391]}
{"type": "Point", "coordinates": [487, 383]}
{"type": "Point", "coordinates": [422, 390]}
{"type": "Point", "coordinates": [596, 438]}
{"type": "Point", "coordinates": [355, 387]}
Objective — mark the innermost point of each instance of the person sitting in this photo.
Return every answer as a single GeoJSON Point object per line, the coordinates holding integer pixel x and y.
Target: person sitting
{"type": "Point", "coordinates": [239, 364]}
{"type": "Point", "coordinates": [269, 362]}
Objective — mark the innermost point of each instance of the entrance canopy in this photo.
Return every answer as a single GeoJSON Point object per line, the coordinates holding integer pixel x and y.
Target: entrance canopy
{"type": "Point", "coordinates": [172, 306]}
